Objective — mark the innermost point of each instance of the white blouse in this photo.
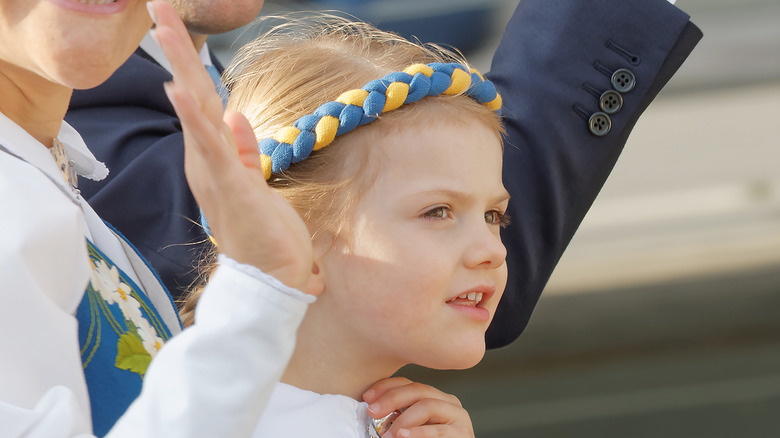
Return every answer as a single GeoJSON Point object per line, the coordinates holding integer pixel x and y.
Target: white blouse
{"type": "Point", "coordinates": [296, 413]}
{"type": "Point", "coordinates": [213, 379]}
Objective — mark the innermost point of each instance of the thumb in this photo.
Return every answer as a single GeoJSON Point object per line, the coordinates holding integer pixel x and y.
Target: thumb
{"type": "Point", "coordinates": [244, 136]}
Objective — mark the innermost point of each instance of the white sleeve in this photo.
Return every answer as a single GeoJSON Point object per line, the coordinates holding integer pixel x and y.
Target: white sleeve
{"type": "Point", "coordinates": [212, 379]}
{"type": "Point", "coordinates": [215, 378]}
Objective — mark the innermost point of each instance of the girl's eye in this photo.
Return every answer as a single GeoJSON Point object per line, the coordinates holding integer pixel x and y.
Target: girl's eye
{"type": "Point", "coordinates": [495, 217]}
{"type": "Point", "coordinates": [441, 212]}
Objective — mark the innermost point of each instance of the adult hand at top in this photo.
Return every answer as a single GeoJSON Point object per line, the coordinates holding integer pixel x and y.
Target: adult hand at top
{"type": "Point", "coordinates": [251, 223]}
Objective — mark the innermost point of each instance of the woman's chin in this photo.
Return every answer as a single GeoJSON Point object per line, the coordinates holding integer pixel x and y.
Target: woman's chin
{"type": "Point", "coordinates": [83, 79]}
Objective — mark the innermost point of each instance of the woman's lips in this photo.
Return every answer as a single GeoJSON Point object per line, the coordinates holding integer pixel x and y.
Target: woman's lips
{"type": "Point", "coordinates": [92, 6]}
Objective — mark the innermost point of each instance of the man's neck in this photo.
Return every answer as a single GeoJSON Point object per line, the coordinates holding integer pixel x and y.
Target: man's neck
{"type": "Point", "coordinates": [155, 52]}
{"type": "Point", "coordinates": [198, 40]}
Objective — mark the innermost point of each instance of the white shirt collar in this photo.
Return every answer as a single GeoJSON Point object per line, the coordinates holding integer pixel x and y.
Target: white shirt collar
{"type": "Point", "coordinates": [14, 138]}
{"type": "Point", "coordinates": [150, 46]}
{"type": "Point", "coordinates": [296, 412]}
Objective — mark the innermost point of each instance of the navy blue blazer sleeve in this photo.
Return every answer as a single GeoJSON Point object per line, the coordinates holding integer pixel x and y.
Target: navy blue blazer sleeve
{"type": "Point", "coordinates": [555, 61]}
{"type": "Point", "coordinates": [130, 125]}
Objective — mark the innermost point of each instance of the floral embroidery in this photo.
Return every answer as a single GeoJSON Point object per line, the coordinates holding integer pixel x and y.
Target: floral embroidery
{"type": "Point", "coordinates": [119, 331]}
{"type": "Point", "coordinates": [138, 340]}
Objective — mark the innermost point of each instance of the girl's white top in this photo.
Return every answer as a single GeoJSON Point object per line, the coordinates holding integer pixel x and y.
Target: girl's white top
{"type": "Point", "coordinates": [297, 413]}
{"type": "Point", "coordinates": [213, 379]}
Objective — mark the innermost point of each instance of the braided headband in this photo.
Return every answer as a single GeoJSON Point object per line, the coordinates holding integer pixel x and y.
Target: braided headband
{"type": "Point", "coordinates": [354, 108]}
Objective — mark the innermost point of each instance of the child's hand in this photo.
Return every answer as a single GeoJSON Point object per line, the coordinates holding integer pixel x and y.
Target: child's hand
{"type": "Point", "coordinates": [250, 222]}
{"type": "Point", "coordinates": [426, 411]}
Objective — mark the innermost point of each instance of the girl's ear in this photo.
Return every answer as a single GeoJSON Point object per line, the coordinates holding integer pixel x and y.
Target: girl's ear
{"type": "Point", "coordinates": [316, 283]}
{"type": "Point", "coordinates": [321, 243]}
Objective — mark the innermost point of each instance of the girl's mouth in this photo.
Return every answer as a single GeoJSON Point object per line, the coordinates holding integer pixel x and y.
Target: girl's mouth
{"type": "Point", "coordinates": [470, 299]}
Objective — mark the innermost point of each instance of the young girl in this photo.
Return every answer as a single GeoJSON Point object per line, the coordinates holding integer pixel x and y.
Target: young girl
{"type": "Point", "coordinates": [81, 315]}
{"type": "Point", "coordinates": [404, 215]}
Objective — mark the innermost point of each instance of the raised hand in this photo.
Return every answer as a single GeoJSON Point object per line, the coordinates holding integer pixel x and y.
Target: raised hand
{"type": "Point", "coordinates": [425, 411]}
{"type": "Point", "coordinates": [250, 222]}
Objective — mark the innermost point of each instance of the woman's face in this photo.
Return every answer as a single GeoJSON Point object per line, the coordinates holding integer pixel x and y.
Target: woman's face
{"type": "Point", "coordinates": [70, 42]}
{"type": "Point", "coordinates": [419, 273]}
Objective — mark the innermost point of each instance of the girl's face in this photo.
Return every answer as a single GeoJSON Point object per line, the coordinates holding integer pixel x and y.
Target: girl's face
{"type": "Point", "coordinates": [70, 42]}
{"type": "Point", "coordinates": [424, 236]}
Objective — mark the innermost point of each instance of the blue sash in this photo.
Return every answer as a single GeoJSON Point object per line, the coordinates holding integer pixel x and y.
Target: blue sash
{"type": "Point", "coordinates": [119, 333]}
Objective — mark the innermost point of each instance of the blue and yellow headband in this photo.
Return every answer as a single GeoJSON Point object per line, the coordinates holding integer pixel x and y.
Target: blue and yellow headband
{"type": "Point", "coordinates": [354, 108]}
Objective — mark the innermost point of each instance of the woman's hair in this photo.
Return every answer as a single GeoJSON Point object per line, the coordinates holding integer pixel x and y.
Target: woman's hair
{"type": "Point", "coordinates": [308, 60]}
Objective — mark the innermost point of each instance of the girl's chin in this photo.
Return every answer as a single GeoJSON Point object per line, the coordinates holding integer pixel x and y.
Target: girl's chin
{"type": "Point", "coordinates": [460, 360]}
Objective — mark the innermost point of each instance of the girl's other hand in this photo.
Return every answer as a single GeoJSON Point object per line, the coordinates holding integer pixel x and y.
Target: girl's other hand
{"type": "Point", "coordinates": [425, 411]}
{"type": "Point", "coordinates": [250, 222]}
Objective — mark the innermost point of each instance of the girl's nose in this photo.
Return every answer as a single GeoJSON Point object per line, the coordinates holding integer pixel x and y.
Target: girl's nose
{"type": "Point", "coordinates": [485, 249]}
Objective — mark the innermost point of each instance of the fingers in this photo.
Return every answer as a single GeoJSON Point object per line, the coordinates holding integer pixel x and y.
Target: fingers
{"type": "Point", "coordinates": [432, 418]}
{"type": "Point", "coordinates": [187, 66]}
{"type": "Point", "coordinates": [425, 411]}
{"type": "Point", "coordinates": [245, 139]}
{"type": "Point", "coordinates": [209, 171]}
{"type": "Point", "coordinates": [379, 388]}
{"type": "Point", "coordinates": [252, 224]}
{"type": "Point", "coordinates": [199, 163]}
{"type": "Point", "coordinates": [398, 393]}
{"type": "Point", "coordinates": [431, 411]}
{"type": "Point", "coordinates": [194, 123]}
{"type": "Point", "coordinates": [429, 431]}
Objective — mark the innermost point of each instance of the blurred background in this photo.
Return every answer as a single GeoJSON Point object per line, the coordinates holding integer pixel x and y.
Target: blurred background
{"type": "Point", "coordinates": [663, 317]}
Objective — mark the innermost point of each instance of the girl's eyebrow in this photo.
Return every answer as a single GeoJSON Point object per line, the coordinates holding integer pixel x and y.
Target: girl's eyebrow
{"type": "Point", "coordinates": [505, 197]}
{"type": "Point", "coordinates": [502, 197]}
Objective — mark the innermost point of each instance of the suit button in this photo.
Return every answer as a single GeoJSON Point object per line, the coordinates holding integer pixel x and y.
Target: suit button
{"type": "Point", "coordinates": [623, 80]}
{"type": "Point", "coordinates": [610, 102]}
{"type": "Point", "coordinates": [599, 124]}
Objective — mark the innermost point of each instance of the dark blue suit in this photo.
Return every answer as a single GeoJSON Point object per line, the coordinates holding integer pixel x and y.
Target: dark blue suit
{"type": "Point", "coordinates": [554, 63]}
{"type": "Point", "coordinates": [131, 126]}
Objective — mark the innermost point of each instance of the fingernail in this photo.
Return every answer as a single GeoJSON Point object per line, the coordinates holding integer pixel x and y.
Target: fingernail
{"type": "Point", "coordinates": [168, 87]}
{"type": "Point", "coordinates": [388, 434]}
{"type": "Point", "coordinates": [403, 433]}
{"type": "Point", "coordinates": [150, 8]}
{"type": "Point", "coordinates": [153, 34]}
{"type": "Point", "coordinates": [374, 408]}
{"type": "Point", "coordinates": [368, 394]}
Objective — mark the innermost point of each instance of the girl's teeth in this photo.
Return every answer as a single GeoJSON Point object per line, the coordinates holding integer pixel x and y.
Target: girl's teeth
{"type": "Point", "coordinates": [471, 296]}
{"type": "Point", "coordinates": [96, 2]}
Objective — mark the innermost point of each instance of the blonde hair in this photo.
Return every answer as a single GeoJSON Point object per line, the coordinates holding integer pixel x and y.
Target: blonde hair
{"type": "Point", "coordinates": [308, 60]}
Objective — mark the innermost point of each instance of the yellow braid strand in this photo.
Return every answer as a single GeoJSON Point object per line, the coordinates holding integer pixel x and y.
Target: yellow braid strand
{"type": "Point", "coordinates": [460, 82]}
{"type": "Point", "coordinates": [265, 164]}
{"type": "Point", "coordinates": [288, 134]}
{"type": "Point", "coordinates": [419, 68]}
{"type": "Point", "coordinates": [325, 131]}
{"type": "Point", "coordinates": [396, 95]}
{"type": "Point", "coordinates": [353, 97]}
